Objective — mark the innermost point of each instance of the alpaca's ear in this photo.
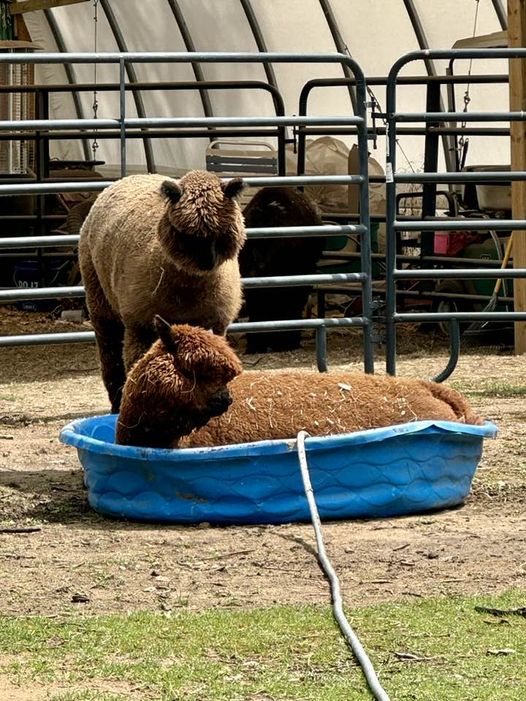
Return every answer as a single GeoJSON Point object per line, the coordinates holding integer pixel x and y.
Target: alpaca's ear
{"type": "Point", "coordinates": [233, 187]}
{"type": "Point", "coordinates": [172, 191]}
{"type": "Point", "coordinates": [165, 333]}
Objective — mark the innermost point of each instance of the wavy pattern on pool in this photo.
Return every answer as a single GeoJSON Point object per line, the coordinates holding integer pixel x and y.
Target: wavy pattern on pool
{"type": "Point", "coordinates": [392, 471]}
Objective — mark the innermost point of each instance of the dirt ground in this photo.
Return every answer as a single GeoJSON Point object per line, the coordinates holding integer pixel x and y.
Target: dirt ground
{"type": "Point", "coordinates": [57, 555]}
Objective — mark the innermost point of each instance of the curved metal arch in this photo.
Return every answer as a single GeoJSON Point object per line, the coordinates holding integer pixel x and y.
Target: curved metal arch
{"type": "Point", "coordinates": [430, 66]}
{"type": "Point", "coordinates": [132, 76]}
{"type": "Point", "coordinates": [190, 46]}
{"type": "Point", "coordinates": [258, 38]}
{"type": "Point", "coordinates": [339, 43]}
{"type": "Point", "coordinates": [501, 13]}
{"type": "Point", "coordinates": [419, 33]}
{"type": "Point", "coordinates": [70, 73]}
{"type": "Point", "coordinates": [269, 72]}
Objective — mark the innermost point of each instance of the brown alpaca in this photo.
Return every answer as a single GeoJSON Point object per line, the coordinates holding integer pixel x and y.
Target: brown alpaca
{"type": "Point", "coordinates": [160, 405]}
{"type": "Point", "coordinates": [179, 384]}
{"type": "Point", "coordinates": [156, 246]}
{"type": "Point", "coordinates": [278, 404]}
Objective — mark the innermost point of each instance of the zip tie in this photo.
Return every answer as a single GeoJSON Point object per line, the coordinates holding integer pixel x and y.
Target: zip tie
{"type": "Point", "coordinates": [337, 605]}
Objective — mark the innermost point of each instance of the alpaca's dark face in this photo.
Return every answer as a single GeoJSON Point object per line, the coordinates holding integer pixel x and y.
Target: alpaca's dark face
{"type": "Point", "coordinates": [186, 379]}
{"type": "Point", "coordinates": [203, 226]}
{"type": "Point", "coordinates": [201, 254]}
{"type": "Point", "coordinates": [219, 402]}
{"type": "Point", "coordinates": [216, 405]}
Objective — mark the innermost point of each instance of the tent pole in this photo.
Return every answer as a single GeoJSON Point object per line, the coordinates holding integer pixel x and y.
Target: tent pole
{"type": "Point", "coordinates": [517, 68]}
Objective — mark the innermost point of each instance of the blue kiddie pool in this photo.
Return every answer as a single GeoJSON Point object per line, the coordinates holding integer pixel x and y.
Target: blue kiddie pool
{"type": "Point", "coordinates": [392, 471]}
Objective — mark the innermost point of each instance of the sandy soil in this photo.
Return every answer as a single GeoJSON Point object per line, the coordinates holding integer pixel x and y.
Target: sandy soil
{"type": "Point", "coordinates": [57, 555]}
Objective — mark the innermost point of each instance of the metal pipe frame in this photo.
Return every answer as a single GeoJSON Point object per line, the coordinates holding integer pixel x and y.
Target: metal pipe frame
{"type": "Point", "coordinates": [393, 178]}
{"type": "Point", "coordinates": [123, 124]}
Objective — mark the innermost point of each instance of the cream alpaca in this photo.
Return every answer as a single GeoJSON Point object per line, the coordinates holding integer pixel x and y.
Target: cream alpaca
{"type": "Point", "coordinates": [152, 245]}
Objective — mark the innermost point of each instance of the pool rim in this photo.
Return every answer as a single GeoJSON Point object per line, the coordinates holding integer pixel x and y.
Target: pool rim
{"type": "Point", "coordinates": [70, 435]}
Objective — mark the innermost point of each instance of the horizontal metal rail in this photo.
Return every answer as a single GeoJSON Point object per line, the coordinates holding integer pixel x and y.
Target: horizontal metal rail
{"type": "Point", "coordinates": [303, 231]}
{"type": "Point", "coordinates": [180, 57]}
{"type": "Point", "coordinates": [501, 176]}
{"type": "Point", "coordinates": [324, 230]}
{"type": "Point", "coordinates": [89, 336]}
{"type": "Point", "coordinates": [159, 122]}
{"type": "Point", "coordinates": [38, 241]}
{"type": "Point", "coordinates": [256, 181]}
{"type": "Point", "coordinates": [18, 294]}
{"type": "Point", "coordinates": [460, 116]}
{"type": "Point", "coordinates": [460, 273]}
{"type": "Point", "coordinates": [299, 280]}
{"type": "Point", "coordinates": [462, 224]}
{"type": "Point", "coordinates": [460, 316]}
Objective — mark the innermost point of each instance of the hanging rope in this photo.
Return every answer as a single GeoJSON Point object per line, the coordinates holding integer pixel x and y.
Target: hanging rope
{"type": "Point", "coordinates": [95, 105]}
{"type": "Point", "coordinates": [378, 113]}
{"type": "Point", "coordinates": [463, 142]}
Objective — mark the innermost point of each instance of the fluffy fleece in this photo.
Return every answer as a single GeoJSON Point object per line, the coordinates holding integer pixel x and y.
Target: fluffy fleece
{"type": "Point", "coordinates": [278, 404]}
{"type": "Point", "coordinates": [278, 206]}
{"type": "Point", "coordinates": [152, 245]}
{"type": "Point", "coordinates": [180, 383]}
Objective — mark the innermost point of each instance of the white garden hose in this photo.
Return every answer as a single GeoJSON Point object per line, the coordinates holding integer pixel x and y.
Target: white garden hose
{"type": "Point", "coordinates": [337, 605]}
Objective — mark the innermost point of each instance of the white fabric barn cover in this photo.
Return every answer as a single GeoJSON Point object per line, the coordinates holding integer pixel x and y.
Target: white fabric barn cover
{"type": "Point", "coordinates": [374, 32]}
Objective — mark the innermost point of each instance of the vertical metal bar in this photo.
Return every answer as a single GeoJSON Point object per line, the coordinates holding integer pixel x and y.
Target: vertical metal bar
{"type": "Point", "coordinates": [70, 75]}
{"type": "Point", "coordinates": [429, 190]}
{"type": "Point", "coordinates": [42, 171]}
{"type": "Point", "coordinates": [122, 114]}
{"type": "Point", "coordinates": [390, 192]}
{"type": "Point", "coordinates": [365, 239]}
{"type": "Point", "coordinates": [141, 112]}
{"type": "Point", "coordinates": [453, 139]}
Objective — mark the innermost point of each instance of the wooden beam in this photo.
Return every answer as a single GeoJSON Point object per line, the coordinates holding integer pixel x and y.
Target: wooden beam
{"type": "Point", "coordinates": [517, 38]}
{"type": "Point", "coordinates": [20, 8]}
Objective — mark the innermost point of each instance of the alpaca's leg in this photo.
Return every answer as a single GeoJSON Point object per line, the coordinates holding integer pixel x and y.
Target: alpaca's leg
{"type": "Point", "coordinates": [109, 334]}
{"type": "Point", "coordinates": [137, 340]}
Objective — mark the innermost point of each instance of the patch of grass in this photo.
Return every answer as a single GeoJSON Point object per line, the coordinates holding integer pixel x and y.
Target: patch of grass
{"type": "Point", "coordinates": [499, 389]}
{"type": "Point", "coordinates": [430, 649]}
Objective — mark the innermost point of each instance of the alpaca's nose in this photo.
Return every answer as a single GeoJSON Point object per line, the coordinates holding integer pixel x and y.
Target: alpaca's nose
{"type": "Point", "coordinates": [219, 402]}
